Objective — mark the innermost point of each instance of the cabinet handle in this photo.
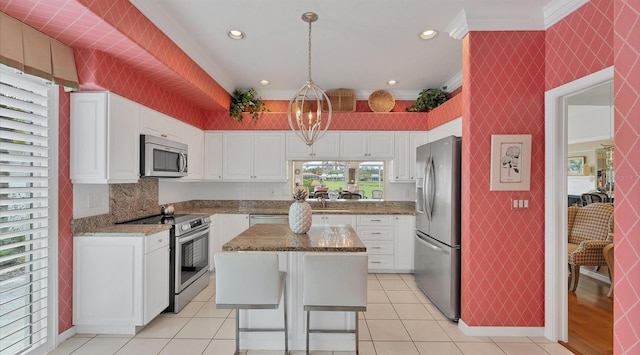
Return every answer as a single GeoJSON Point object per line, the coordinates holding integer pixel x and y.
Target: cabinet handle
{"type": "Point", "coordinates": [376, 248]}
{"type": "Point", "coordinates": [376, 220]}
{"type": "Point", "coordinates": [160, 240]}
{"type": "Point", "coordinates": [397, 177]}
{"type": "Point", "coordinates": [163, 135]}
{"type": "Point", "coordinates": [376, 262]}
{"type": "Point", "coordinates": [375, 233]}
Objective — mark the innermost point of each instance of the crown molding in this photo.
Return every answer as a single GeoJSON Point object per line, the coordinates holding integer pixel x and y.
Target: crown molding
{"type": "Point", "coordinates": [514, 18]}
{"type": "Point", "coordinates": [454, 83]}
{"type": "Point", "coordinates": [556, 10]}
{"type": "Point", "coordinates": [458, 27]}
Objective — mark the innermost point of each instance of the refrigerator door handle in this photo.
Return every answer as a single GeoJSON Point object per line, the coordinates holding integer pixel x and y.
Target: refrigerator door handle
{"type": "Point", "coordinates": [428, 187]}
{"type": "Point", "coordinates": [426, 243]}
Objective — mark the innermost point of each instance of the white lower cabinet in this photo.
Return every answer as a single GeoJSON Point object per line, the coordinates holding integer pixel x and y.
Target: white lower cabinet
{"type": "Point", "coordinates": [228, 226]}
{"type": "Point", "coordinates": [212, 239]}
{"type": "Point", "coordinates": [405, 236]}
{"type": "Point", "coordinates": [377, 234]}
{"type": "Point", "coordinates": [119, 282]}
{"type": "Point", "coordinates": [333, 219]}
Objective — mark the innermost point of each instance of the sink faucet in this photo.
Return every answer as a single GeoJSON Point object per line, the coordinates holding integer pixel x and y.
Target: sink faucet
{"type": "Point", "coordinates": [323, 202]}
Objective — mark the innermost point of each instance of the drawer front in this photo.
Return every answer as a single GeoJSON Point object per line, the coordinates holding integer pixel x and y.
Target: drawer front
{"type": "Point", "coordinates": [380, 262]}
{"type": "Point", "coordinates": [156, 241]}
{"type": "Point", "coordinates": [375, 220]}
{"type": "Point", "coordinates": [333, 219]}
{"type": "Point", "coordinates": [375, 233]}
{"type": "Point", "coordinates": [379, 247]}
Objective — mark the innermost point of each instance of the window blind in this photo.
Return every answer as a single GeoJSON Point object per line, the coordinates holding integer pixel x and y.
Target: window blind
{"type": "Point", "coordinates": [24, 212]}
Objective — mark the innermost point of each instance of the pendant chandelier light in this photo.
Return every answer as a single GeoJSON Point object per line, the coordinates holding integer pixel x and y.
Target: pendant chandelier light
{"type": "Point", "coordinates": [305, 114]}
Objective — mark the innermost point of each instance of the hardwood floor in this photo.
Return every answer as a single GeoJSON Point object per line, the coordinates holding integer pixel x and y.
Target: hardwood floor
{"type": "Point", "coordinates": [590, 318]}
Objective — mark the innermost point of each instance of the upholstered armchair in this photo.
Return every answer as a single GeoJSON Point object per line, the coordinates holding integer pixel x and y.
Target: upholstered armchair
{"type": "Point", "coordinates": [590, 229]}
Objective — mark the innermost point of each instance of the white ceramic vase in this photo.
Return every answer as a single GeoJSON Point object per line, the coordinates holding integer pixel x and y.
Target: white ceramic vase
{"type": "Point", "coordinates": [300, 217]}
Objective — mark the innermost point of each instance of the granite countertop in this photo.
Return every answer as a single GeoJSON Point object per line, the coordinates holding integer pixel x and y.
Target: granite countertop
{"type": "Point", "coordinates": [279, 237]}
{"type": "Point", "coordinates": [124, 230]}
{"type": "Point", "coordinates": [285, 211]}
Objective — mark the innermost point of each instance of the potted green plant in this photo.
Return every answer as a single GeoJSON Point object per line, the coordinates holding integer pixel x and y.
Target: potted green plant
{"type": "Point", "coordinates": [246, 101]}
{"type": "Point", "coordinates": [428, 99]}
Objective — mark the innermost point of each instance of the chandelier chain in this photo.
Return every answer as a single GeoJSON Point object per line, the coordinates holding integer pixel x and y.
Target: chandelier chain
{"type": "Point", "coordinates": [309, 51]}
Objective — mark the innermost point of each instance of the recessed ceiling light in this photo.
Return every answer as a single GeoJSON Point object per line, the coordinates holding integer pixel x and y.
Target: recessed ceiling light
{"type": "Point", "coordinates": [392, 82]}
{"type": "Point", "coordinates": [428, 34]}
{"type": "Point", "coordinates": [264, 82]}
{"type": "Point", "coordinates": [235, 34]}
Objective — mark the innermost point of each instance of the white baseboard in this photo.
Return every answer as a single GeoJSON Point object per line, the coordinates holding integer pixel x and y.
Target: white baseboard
{"type": "Point", "coordinates": [501, 331]}
{"type": "Point", "coordinates": [588, 271]}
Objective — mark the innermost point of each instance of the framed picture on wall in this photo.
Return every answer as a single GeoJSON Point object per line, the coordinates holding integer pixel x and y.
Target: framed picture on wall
{"type": "Point", "coordinates": [510, 162]}
{"type": "Point", "coordinates": [575, 165]}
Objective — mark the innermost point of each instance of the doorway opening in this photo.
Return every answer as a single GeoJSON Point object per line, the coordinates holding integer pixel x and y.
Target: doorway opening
{"type": "Point", "coordinates": [556, 188]}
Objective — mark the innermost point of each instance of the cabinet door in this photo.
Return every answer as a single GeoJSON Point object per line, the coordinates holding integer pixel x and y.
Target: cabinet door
{"type": "Point", "coordinates": [404, 243]}
{"type": "Point", "coordinates": [88, 124]}
{"type": "Point", "coordinates": [107, 281]}
{"type": "Point", "coordinates": [212, 239]}
{"type": "Point", "coordinates": [237, 160]}
{"type": "Point", "coordinates": [156, 282]}
{"type": "Point", "coordinates": [380, 145]}
{"type": "Point", "coordinates": [213, 155]}
{"type": "Point", "coordinates": [333, 219]}
{"type": "Point", "coordinates": [416, 139]}
{"type": "Point", "coordinates": [158, 124]}
{"type": "Point", "coordinates": [353, 145]}
{"type": "Point", "coordinates": [400, 166]}
{"type": "Point", "coordinates": [327, 147]}
{"type": "Point", "coordinates": [269, 161]}
{"type": "Point", "coordinates": [296, 148]}
{"type": "Point", "coordinates": [229, 226]}
{"type": "Point", "coordinates": [194, 138]}
{"type": "Point", "coordinates": [123, 140]}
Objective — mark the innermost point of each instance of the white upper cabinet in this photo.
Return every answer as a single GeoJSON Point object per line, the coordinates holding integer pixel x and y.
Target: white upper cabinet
{"type": "Point", "coordinates": [158, 124]}
{"type": "Point", "coordinates": [105, 143]}
{"type": "Point", "coordinates": [254, 156]}
{"type": "Point", "coordinates": [366, 145]}
{"type": "Point", "coordinates": [403, 166]}
{"type": "Point", "coordinates": [194, 138]}
{"type": "Point", "coordinates": [212, 155]}
{"type": "Point", "coordinates": [326, 147]}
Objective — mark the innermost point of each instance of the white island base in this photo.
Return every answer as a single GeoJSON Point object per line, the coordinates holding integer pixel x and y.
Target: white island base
{"type": "Point", "coordinates": [292, 263]}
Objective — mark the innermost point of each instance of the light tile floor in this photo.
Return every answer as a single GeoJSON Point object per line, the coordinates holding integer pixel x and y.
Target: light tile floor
{"type": "Point", "coordinates": [399, 320]}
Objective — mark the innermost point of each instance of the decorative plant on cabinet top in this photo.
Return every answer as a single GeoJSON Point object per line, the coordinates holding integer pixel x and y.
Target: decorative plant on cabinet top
{"type": "Point", "coordinates": [428, 99]}
{"type": "Point", "coordinates": [246, 101]}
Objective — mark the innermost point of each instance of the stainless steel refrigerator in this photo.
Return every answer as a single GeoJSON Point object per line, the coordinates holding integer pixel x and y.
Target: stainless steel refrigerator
{"type": "Point", "coordinates": [437, 249]}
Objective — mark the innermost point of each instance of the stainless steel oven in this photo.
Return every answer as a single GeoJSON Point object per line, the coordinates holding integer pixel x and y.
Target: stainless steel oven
{"type": "Point", "coordinates": [188, 256]}
{"type": "Point", "coordinates": [191, 263]}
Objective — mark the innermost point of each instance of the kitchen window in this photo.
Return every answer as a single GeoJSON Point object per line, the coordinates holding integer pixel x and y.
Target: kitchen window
{"type": "Point", "coordinates": [363, 177]}
{"type": "Point", "coordinates": [25, 202]}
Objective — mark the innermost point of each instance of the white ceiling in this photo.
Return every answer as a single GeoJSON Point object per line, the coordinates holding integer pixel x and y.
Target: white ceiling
{"type": "Point", "coordinates": [356, 44]}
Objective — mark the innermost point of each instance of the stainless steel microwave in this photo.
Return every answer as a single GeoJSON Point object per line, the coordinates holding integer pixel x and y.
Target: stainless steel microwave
{"type": "Point", "coordinates": [161, 157]}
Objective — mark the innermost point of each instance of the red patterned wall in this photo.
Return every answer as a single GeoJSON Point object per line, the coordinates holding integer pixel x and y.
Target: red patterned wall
{"type": "Point", "coordinates": [100, 71]}
{"type": "Point", "coordinates": [580, 44]}
{"type": "Point", "coordinates": [626, 311]}
{"type": "Point", "coordinates": [65, 215]}
{"type": "Point", "coordinates": [363, 119]}
{"type": "Point", "coordinates": [502, 249]}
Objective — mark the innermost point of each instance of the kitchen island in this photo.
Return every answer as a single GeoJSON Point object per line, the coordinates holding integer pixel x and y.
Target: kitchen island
{"type": "Point", "coordinates": [291, 249]}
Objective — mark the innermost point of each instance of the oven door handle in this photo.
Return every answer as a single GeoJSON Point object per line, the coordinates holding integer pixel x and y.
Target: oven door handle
{"type": "Point", "coordinates": [196, 234]}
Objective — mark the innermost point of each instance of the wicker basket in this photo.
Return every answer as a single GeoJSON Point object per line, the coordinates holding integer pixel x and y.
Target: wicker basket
{"type": "Point", "coordinates": [342, 100]}
{"type": "Point", "coordinates": [381, 101]}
